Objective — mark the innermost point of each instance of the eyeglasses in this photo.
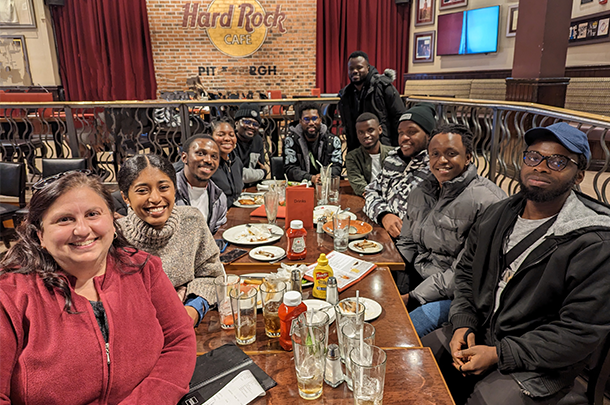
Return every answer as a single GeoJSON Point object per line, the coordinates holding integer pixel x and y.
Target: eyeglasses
{"type": "Point", "coordinates": [553, 162]}
{"type": "Point", "coordinates": [307, 120]}
{"type": "Point", "coordinates": [39, 185]}
{"type": "Point", "coordinates": [251, 123]}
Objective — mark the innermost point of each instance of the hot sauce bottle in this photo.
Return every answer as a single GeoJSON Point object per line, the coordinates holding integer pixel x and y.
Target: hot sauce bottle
{"type": "Point", "coordinates": [296, 235]}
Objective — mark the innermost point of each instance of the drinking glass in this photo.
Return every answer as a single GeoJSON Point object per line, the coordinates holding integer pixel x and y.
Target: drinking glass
{"type": "Point", "coordinates": [280, 187]}
{"type": "Point", "coordinates": [341, 231]}
{"type": "Point", "coordinates": [316, 318]}
{"type": "Point", "coordinates": [321, 193]}
{"type": "Point", "coordinates": [333, 190]}
{"type": "Point", "coordinates": [272, 294]}
{"type": "Point", "coordinates": [271, 201]}
{"type": "Point", "coordinates": [346, 313]}
{"type": "Point", "coordinates": [308, 344]}
{"type": "Point", "coordinates": [224, 285]}
{"type": "Point", "coordinates": [351, 339]}
{"type": "Point", "coordinates": [243, 305]}
{"type": "Point", "coordinates": [368, 374]}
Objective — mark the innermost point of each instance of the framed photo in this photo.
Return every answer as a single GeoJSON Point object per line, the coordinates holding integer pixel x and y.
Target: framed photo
{"type": "Point", "coordinates": [424, 12]}
{"type": "Point", "coordinates": [14, 61]}
{"type": "Point", "coordinates": [423, 47]}
{"type": "Point", "coordinates": [445, 4]}
{"type": "Point", "coordinates": [17, 13]}
{"type": "Point", "coordinates": [591, 29]}
{"type": "Point", "coordinates": [511, 21]}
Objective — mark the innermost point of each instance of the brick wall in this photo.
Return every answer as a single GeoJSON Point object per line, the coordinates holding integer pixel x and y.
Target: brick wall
{"type": "Point", "coordinates": [180, 52]}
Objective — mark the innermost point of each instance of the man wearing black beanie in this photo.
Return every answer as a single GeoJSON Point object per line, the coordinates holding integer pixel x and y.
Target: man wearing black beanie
{"type": "Point", "coordinates": [250, 148]}
{"type": "Point", "coordinates": [403, 169]}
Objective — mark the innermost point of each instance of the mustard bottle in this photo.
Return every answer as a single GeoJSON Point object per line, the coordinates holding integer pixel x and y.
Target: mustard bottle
{"type": "Point", "coordinates": [320, 277]}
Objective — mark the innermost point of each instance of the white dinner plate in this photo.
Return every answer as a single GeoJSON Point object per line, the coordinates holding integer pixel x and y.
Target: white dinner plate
{"type": "Point", "coordinates": [246, 196]}
{"type": "Point", "coordinates": [267, 253]}
{"type": "Point", "coordinates": [232, 234]}
{"type": "Point", "coordinates": [319, 211]}
{"type": "Point", "coordinates": [322, 306]}
{"type": "Point", "coordinates": [354, 245]}
{"type": "Point", "coordinates": [372, 309]}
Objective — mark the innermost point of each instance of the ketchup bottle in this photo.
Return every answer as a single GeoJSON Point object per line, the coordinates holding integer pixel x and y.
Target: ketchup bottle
{"type": "Point", "coordinates": [296, 249]}
{"type": "Point", "coordinates": [291, 308]}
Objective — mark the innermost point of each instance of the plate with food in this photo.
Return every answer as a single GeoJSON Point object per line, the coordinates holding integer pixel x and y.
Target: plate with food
{"type": "Point", "coordinates": [253, 234]}
{"type": "Point", "coordinates": [357, 229]}
{"type": "Point", "coordinates": [249, 200]}
{"type": "Point", "coordinates": [365, 246]}
{"type": "Point", "coordinates": [328, 211]}
{"type": "Point", "coordinates": [320, 305]}
{"type": "Point", "coordinates": [372, 309]}
{"type": "Point", "coordinates": [267, 253]}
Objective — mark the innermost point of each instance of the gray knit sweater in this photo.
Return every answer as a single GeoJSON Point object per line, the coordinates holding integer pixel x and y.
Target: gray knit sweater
{"type": "Point", "coordinates": [185, 245]}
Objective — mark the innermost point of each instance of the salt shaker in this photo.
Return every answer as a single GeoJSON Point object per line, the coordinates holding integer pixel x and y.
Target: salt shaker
{"type": "Point", "coordinates": [320, 224]}
{"type": "Point", "coordinates": [295, 281]}
{"type": "Point", "coordinates": [333, 375]}
{"type": "Point", "coordinates": [332, 294]}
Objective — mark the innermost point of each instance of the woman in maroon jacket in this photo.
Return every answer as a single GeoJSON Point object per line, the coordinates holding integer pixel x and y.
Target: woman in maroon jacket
{"type": "Point", "coordinates": [84, 318]}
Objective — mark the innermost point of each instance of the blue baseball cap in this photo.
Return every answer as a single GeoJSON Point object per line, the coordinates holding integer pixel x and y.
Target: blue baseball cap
{"type": "Point", "coordinates": [573, 139]}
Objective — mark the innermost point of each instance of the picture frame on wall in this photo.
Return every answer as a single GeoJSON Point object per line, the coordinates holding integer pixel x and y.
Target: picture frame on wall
{"type": "Point", "coordinates": [590, 29]}
{"type": "Point", "coordinates": [424, 12]}
{"type": "Point", "coordinates": [511, 20]}
{"type": "Point", "coordinates": [446, 4]}
{"type": "Point", "coordinates": [14, 61]}
{"type": "Point", "coordinates": [423, 47]}
{"type": "Point", "coordinates": [17, 13]}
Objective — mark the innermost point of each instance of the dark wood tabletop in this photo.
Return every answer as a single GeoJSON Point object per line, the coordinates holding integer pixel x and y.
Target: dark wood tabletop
{"type": "Point", "coordinates": [393, 328]}
{"type": "Point", "coordinates": [316, 243]}
{"type": "Point", "coordinates": [412, 377]}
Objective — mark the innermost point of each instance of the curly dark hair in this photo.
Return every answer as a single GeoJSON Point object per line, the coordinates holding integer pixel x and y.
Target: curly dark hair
{"type": "Point", "coordinates": [306, 106]}
{"type": "Point", "coordinates": [28, 256]}
{"type": "Point", "coordinates": [458, 129]}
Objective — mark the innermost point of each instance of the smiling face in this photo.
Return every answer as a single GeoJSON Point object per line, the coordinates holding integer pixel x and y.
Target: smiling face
{"type": "Point", "coordinates": [411, 138]}
{"type": "Point", "coordinates": [448, 157]}
{"type": "Point", "coordinates": [541, 184]}
{"type": "Point", "coordinates": [151, 196]}
{"type": "Point", "coordinates": [368, 134]}
{"type": "Point", "coordinates": [201, 162]}
{"type": "Point", "coordinates": [310, 122]}
{"type": "Point", "coordinates": [77, 230]}
{"type": "Point", "coordinates": [357, 70]}
{"type": "Point", "coordinates": [224, 135]}
{"type": "Point", "coordinates": [247, 128]}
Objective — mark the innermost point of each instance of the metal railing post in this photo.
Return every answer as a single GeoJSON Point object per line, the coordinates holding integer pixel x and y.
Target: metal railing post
{"type": "Point", "coordinates": [71, 132]}
{"type": "Point", "coordinates": [185, 123]}
{"type": "Point", "coordinates": [495, 141]}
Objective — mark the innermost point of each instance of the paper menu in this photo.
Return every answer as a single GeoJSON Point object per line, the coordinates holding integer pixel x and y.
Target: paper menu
{"type": "Point", "coordinates": [346, 269]}
{"type": "Point", "coordinates": [300, 201]}
{"type": "Point", "coordinates": [240, 391]}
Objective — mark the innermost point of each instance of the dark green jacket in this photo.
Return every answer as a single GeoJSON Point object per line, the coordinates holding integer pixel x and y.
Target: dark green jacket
{"type": "Point", "coordinates": [358, 163]}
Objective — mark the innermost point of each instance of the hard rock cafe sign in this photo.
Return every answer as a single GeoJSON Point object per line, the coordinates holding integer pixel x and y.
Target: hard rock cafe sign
{"type": "Point", "coordinates": [236, 28]}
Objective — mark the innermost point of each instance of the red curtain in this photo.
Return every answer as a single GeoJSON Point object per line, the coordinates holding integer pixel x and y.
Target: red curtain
{"type": "Point", "coordinates": [104, 50]}
{"type": "Point", "coordinates": [378, 27]}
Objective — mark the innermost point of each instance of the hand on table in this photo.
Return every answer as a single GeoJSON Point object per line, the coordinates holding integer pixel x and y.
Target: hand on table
{"type": "Point", "coordinates": [476, 359]}
{"type": "Point", "coordinates": [393, 224]}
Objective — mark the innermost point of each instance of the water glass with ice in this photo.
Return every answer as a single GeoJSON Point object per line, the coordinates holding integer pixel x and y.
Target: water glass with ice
{"type": "Point", "coordinates": [341, 231]}
{"type": "Point", "coordinates": [368, 374]}
{"type": "Point", "coordinates": [346, 313]}
{"type": "Point", "coordinates": [308, 344]}
{"type": "Point", "coordinates": [351, 339]}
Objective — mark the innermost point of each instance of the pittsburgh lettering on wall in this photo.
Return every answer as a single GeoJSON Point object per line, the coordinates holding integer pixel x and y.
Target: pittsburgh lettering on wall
{"type": "Point", "coordinates": [236, 28]}
{"type": "Point", "coordinates": [253, 70]}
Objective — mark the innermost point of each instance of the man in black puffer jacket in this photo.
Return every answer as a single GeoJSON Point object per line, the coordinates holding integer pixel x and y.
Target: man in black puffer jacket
{"type": "Point", "coordinates": [527, 316]}
{"type": "Point", "coordinates": [371, 92]}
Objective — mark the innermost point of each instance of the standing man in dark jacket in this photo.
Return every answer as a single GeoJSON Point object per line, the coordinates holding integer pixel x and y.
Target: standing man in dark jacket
{"type": "Point", "coordinates": [371, 92]}
{"type": "Point", "coordinates": [250, 148]}
{"type": "Point", "coordinates": [310, 143]}
{"type": "Point", "coordinates": [527, 316]}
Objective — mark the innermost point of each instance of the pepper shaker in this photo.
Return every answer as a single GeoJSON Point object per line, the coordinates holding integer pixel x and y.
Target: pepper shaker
{"type": "Point", "coordinates": [333, 375]}
{"type": "Point", "coordinates": [332, 293]}
{"type": "Point", "coordinates": [295, 281]}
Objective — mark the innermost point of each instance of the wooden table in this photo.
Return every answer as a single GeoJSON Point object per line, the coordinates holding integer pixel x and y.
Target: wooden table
{"type": "Point", "coordinates": [316, 243]}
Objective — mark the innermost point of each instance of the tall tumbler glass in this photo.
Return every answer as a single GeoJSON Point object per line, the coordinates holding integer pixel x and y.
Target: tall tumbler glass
{"type": "Point", "coordinates": [333, 190]}
{"type": "Point", "coordinates": [341, 231]}
{"type": "Point", "coordinates": [224, 285]}
{"type": "Point", "coordinates": [316, 318]}
{"type": "Point", "coordinates": [272, 294]}
{"type": "Point", "coordinates": [351, 339]}
{"type": "Point", "coordinates": [346, 313]}
{"type": "Point", "coordinates": [271, 202]}
{"type": "Point", "coordinates": [308, 344]}
{"type": "Point", "coordinates": [368, 374]}
{"type": "Point", "coordinates": [243, 304]}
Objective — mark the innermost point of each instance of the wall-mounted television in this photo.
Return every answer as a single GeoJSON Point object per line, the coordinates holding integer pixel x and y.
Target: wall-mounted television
{"type": "Point", "coordinates": [468, 32]}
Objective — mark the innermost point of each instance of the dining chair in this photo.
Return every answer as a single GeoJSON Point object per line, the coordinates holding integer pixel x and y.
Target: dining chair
{"type": "Point", "coordinates": [12, 184]}
{"type": "Point", "coordinates": [51, 167]}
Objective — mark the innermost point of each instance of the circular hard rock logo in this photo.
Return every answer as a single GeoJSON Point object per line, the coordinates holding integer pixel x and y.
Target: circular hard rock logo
{"type": "Point", "coordinates": [236, 28]}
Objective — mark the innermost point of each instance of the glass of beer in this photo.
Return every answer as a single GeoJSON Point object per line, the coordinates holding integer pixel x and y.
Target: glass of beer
{"type": "Point", "coordinates": [243, 305]}
{"type": "Point", "coordinates": [272, 294]}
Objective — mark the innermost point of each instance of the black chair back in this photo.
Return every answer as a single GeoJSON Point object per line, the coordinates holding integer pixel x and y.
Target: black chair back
{"type": "Point", "coordinates": [12, 181]}
{"type": "Point", "coordinates": [51, 167]}
{"type": "Point", "coordinates": [277, 167]}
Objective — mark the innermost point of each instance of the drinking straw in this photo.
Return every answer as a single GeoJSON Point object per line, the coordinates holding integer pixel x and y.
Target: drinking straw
{"type": "Point", "coordinates": [238, 313]}
{"type": "Point", "coordinates": [360, 374]}
{"type": "Point", "coordinates": [309, 317]}
{"type": "Point", "coordinates": [286, 177]}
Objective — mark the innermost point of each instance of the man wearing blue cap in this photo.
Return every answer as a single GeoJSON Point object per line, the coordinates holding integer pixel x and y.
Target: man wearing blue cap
{"type": "Point", "coordinates": [531, 290]}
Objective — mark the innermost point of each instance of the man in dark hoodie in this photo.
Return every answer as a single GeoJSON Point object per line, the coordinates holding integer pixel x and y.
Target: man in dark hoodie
{"type": "Point", "coordinates": [371, 92]}
{"type": "Point", "coordinates": [531, 288]}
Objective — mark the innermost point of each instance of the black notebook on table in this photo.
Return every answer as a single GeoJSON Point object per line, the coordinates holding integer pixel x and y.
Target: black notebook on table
{"type": "Point", "coordinates": [216, 369]}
